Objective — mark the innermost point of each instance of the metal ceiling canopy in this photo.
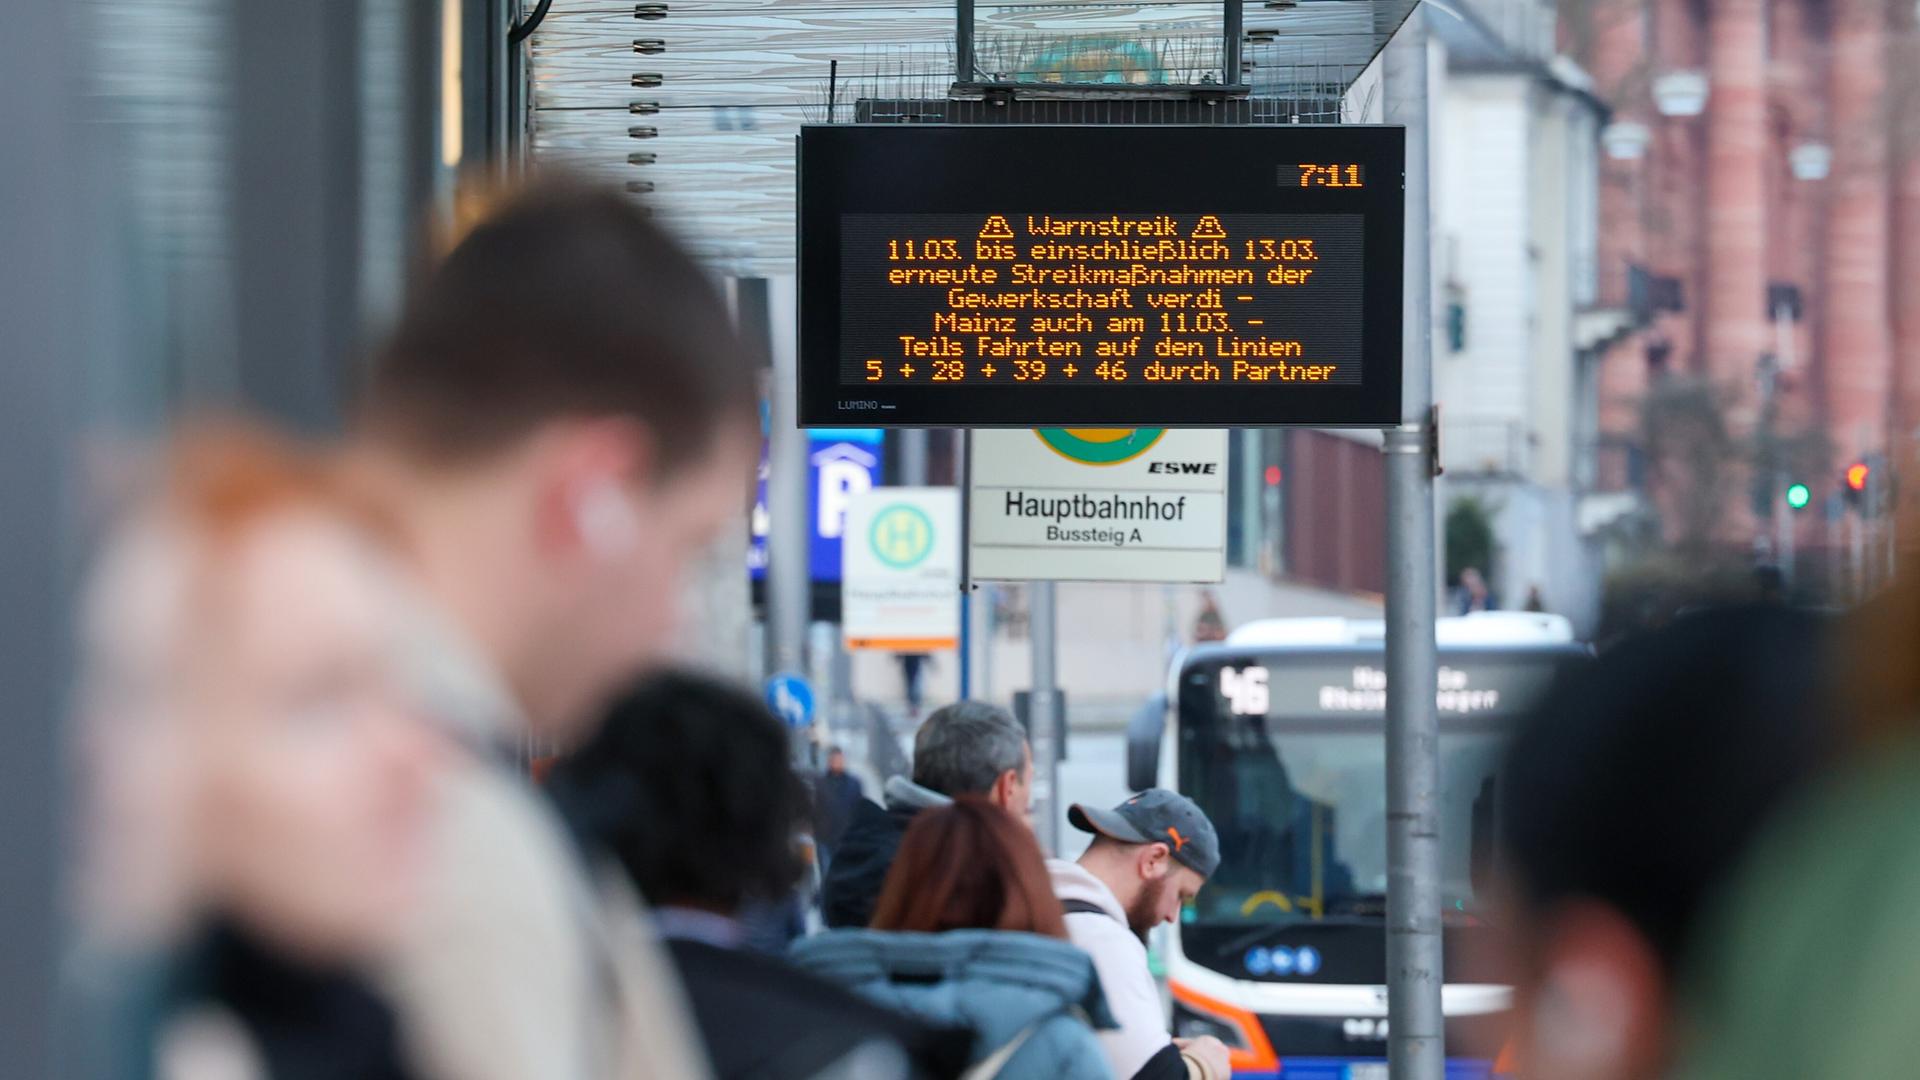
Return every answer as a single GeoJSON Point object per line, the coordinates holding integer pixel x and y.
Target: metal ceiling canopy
{"type": "Point", "coordinates": [693, 104]}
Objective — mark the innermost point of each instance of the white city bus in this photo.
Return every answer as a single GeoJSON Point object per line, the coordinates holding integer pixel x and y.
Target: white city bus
{"type": "Point", "coordinates": [1278, 734]}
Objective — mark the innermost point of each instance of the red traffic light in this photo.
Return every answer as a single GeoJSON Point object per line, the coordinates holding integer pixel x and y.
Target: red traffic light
{"type": "Point", "coordinates": [1857, 476]}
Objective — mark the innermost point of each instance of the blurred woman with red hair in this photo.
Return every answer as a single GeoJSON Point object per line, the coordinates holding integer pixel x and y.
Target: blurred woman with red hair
{"type": "Point", "coordinates": [968, 934]}
{"type": "Point", "coordinates": [255, 762]}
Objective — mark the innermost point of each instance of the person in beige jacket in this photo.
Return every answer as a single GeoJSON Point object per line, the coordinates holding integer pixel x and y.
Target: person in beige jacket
{"type": "Point", "coordinates": [562, 419]}
{"type": "Point", "coordinates": [1150, 855]}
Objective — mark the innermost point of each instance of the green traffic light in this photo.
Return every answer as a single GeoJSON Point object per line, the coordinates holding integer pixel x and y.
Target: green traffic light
{"type": "Point", "coordinates": [1798, 496]}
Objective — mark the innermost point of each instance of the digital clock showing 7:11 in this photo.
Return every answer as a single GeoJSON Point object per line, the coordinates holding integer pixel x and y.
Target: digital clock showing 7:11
{"type": "Point", "coordinates": [1340, 176]}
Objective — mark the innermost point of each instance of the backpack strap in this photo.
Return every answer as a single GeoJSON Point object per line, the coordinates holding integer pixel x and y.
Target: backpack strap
{"type": "Point", "coordinates": [995, 1063]}
{"type": "Point", "coordinates": [1084, 907]}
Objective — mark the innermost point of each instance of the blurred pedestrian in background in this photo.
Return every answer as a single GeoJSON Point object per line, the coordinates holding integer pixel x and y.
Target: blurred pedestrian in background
{"type": "Point", "coordinates": [967, 748]}
{"type": "Point", "coordinates": [1810, 964]}
{"type": "Point", "coordinates": [562, 419]}
{"type": "Point", "coordinates": [689, 785]}
{"type": "Point", "coordinates": [913, 678]}
{"type": "Point", "coordinates": [836, 794]}
{"type": "Point", "coordinates": [1209, 624]}
{"type": "Point", "coordinates": [1474, 594]}
{"type": "Point", "coordinates": [967, 934]}
{"type": "Point", "coordinates": [1150, 857]}
{"type": "Point", "coordinates": [257, 767]}
{"type": "Point", "coordinates": [1631, 795]}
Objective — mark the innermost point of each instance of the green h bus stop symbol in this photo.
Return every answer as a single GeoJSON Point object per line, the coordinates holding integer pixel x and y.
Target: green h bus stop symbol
{"type": "Point", "coordinates": [901, 536]}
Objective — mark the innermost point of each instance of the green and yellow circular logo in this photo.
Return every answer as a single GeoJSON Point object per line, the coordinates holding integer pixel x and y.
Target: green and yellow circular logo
{"type": "Point", "coordinates": [1100, 446]}
{"type": "Point", "coordinates": [901, 536]}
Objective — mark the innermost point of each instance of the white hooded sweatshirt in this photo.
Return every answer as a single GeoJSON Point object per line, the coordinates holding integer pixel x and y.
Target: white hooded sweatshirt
{"type": "Point", "coordinates": [1121, 960]}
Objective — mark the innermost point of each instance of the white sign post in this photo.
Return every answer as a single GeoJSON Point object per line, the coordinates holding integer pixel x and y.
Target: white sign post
{"type": "Point", "coordinates": [1098, 504]}
{"type": "Point", "coordinates": [900, 570]}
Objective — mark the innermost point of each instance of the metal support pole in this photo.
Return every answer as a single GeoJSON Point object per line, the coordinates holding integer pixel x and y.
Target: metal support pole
{"type": "Point", "coordinates": [1416, 1042]}
{"type": "Point", "coordinates": [1836, 565]}
{"type": "Point", "coordinates": [1232, 18]}
{"type": "Point", "coordinates": [1783, 538]}
{"type": "Point", "coordinates": [913, 457]}
{"type": "Point", "coordinates": [787, 526]}
{"type": "Point", "coordinates": [517, 150]}
{"type": "Point", "coordinates": [1252, 483]}
{"type": "Point", "coordinates": [964, 654]}
{"type": "Point", "coordinates": [61, 310]}
{"type": "Point", "coordinates": [963, 65]}
{"type": "Point", "coordinates": [821, 638]}
{"type": "Point", "coordinates": [1890, 533]}
{"type": "Point", "coordinates": [983, 610]}
{"type": "Point", "coordinates": [1041, 722]}
{"type": "Point", "coordinates": [1857, 557]}
{"type": "Point", "coordinates": [295, 142]}
{"type": "Point", "coordinates": [964, 451]}
{"type": "Point", "coordinates": [1784, 361]}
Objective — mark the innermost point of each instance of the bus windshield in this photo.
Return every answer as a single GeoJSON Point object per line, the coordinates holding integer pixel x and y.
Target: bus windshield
{"type": "Point", "coordinates": [1286, 754]}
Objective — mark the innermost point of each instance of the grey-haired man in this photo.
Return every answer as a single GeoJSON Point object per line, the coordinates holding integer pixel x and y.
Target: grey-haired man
{"type": "Point", "coordinates": [966, 748]}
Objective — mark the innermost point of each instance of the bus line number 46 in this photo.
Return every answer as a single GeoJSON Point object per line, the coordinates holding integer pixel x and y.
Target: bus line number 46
{"type": "Point", "coordinates": [1245, 690]}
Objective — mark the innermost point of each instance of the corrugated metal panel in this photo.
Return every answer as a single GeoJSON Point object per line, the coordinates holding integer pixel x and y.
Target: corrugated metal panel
{"type": "Point", "coordinates": [695, 103]}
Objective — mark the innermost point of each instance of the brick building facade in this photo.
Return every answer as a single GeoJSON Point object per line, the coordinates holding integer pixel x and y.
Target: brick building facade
{"type": "Point", "coordinates": [1760, 224]}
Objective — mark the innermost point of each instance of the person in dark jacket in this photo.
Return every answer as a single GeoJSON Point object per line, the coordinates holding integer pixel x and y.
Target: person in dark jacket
{"type": "Point", "coordinates": [967, 748]}
{"type": "Point", "coordinates": [689, 784]}
{"type": "Point", "coordinates": [836, 792]}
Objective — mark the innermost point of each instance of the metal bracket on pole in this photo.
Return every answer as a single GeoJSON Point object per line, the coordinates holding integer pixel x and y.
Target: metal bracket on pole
{"type": "Point", "coordinates": [1433, 442]}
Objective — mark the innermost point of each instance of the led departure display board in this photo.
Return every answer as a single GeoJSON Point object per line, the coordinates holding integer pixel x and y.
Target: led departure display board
{"type": "Point", "coordinates": [1028, 276]}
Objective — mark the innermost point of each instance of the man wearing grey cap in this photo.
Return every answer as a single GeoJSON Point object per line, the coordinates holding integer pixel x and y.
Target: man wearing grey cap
{"type": "Point", "coordinates": [1150, 855]}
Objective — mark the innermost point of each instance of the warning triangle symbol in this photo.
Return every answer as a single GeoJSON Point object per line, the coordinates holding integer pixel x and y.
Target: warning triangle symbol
{"type": "Point", "coordinates": [996, 229]}
{"type": "Point", "coordinates": [1209, 229]}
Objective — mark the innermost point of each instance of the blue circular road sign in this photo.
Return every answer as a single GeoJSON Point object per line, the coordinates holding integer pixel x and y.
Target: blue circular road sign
{"type": "Point", "coordinates": [791, 699]}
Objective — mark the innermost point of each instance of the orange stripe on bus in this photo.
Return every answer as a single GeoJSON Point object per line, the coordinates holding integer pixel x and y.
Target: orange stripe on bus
{"type": "Point", "coordinates": [1259, 1055]}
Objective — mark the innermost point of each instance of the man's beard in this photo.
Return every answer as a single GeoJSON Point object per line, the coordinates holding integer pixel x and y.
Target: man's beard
{"type": "Point", "coordinates": [1143, 913]}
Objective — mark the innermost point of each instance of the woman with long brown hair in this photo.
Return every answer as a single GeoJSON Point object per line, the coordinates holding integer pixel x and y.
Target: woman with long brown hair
{"type": "Point", "coordinates": [967, 934]}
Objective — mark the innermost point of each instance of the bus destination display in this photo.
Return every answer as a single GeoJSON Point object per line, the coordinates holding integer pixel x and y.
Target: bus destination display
{"type": "Point", "coordinates": [1250, 277]}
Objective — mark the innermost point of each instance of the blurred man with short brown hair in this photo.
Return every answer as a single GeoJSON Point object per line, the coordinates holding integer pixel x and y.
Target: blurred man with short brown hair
{"type": "Point", "coordinates": [562, 419]}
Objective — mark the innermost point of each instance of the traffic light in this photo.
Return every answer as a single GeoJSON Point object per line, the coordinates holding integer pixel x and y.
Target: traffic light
{"type": "Point", "coordinates": [1853, 485]}
{"type": "Point", "coordinates": [1868, 485]}
{"type": "Point", "coordinates": [1798, 496]}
